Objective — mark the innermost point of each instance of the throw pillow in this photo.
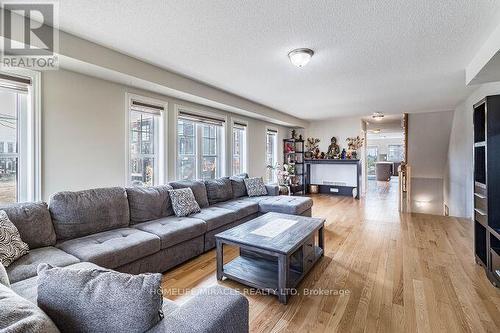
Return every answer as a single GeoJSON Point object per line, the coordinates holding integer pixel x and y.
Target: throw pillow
{"type": "Point", "coordinates": [255, 187]}
{"type": "Point", "coordinates": [90, 300]}
{"type": "Point", "coordinates": [238, 185]}
{"type": "Point", "coordinates": [4, 277]}
{"type": "Point", "coordinates": [183, 202]}
{"type": "Point", "coordinates": [198, 188]}
{"type": "Point", "coordinates": [218, 190]}
{"type": "Point", "coordinates": [11, 245]}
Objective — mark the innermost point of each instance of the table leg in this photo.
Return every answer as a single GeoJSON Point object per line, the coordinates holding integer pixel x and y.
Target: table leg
{"type": "Point", "coordinates": [321, 239]}
{"type": "Point", "coordinates": [219, 258]}
{"type": "Point", "coordinates": [283, 271]}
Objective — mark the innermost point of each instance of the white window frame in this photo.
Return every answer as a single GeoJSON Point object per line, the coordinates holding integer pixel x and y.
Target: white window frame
{"type": "Point", "coordinates": [29, 177]}
{"type": "Point", "coordinates": [221, 142]}
{"type": "Point", "coordinates": [274, 174]}
{"type": "Point", "coordinates": [389, 150]}
{"type": "Point", "coordinates": [160, 142]}
{"type": "Point", "coordinates": [244, 158]}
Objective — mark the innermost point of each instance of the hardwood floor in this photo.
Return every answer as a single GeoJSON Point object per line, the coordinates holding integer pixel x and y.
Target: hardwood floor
{"type": "Point", "coordinates": [387, 273]}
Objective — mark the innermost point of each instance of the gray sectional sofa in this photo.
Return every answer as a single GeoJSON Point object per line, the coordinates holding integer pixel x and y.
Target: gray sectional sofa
{"type": "Point", "coordinates": [134, 230]}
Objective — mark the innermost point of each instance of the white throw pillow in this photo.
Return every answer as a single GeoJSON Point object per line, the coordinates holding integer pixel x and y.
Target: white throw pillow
{"type": "Point", "coordinates": [184, 202]}
{"type": "Point", "coordinates": [255, 187]}
{"type": "Point", "coordinates": [11, 245]}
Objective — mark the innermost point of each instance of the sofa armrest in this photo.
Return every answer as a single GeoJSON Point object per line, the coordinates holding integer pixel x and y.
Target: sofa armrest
{"type": "Point", "coordinates": [216, 309]}
{"type": "Point", "coordinates": [273, 190]}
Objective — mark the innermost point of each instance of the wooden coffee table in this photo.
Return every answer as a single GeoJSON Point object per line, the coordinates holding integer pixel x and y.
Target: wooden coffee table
{"type": "Point", "coordinates": [276, 252]}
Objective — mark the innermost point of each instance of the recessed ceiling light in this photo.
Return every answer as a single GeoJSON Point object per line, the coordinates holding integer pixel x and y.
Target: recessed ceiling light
{"type": "Point", "coordinates": [300, 57]}
{"type": "Point", "coordinates": [377, 115]}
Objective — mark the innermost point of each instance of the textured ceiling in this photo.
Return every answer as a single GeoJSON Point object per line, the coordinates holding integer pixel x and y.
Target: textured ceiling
{"type": "Point", "coordinates": [390, 56]}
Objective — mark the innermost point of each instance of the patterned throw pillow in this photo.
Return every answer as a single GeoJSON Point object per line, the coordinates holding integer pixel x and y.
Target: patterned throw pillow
{"type": "Point", "coordinates": [255, 187]}
{"type": "Point", "coordinates": [11, 245]}
{"type": "Point", "coordinates": [183, 202]}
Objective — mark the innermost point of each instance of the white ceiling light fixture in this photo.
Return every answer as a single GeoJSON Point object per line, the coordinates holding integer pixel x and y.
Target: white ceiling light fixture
{"type": "Point", "coordinates": [376, 131]}
{"type": "Point", "coordinates": [300, 57]}
{"type": "Point", "coordinates": [377, 115]}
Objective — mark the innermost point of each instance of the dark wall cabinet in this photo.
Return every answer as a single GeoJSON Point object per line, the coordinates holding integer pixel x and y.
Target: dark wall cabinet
{"type": "Point", "coordinates": [487, 186]}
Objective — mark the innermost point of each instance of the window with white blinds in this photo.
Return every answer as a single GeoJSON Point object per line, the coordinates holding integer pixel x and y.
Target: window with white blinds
{"type": "Point", "coordinates": [145, 133]}
{"type": "Point", "coordinates": [239, 148]}
{"type": "Point", "coordinates": [200, 146]}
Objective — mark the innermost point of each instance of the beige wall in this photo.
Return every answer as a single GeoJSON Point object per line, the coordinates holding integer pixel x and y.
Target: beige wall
{"type": "Point", "coordinates": [83, 133]}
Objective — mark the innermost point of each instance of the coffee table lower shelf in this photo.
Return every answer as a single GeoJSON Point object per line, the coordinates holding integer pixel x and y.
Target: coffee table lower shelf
{"type": "Point", "coordinates": [262, 273]}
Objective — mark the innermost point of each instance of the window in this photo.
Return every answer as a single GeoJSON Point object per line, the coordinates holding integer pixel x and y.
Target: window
{"type": "Point", "coordinates": [18, 146]}
{"type": "Point", "coordinates": [395, 153]}
{"type": "Point", "coordinates": [199, 146]}
{"type": "Point", "coordinates": [239, 148]}
{"type": "Point", "coordinates": [145, 133]}
{"type": "Point", "coordinates": [371, 159]}
{"type": "Point", "coordinates": [271, 154]}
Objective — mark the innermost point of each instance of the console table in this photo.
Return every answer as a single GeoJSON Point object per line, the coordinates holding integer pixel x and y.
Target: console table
{"type": "Point", "coordinates": [336, 177]}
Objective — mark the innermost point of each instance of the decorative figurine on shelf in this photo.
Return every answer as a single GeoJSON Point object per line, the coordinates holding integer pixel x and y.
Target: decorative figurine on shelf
{"type": "Point", "coordinates": [333, 148]}
{"type": "Point", "coordinates": [317, 154]}
{"type": "Point", "coordinates": [312, 144]}
{"type": "Point", "coordinates": [294, 134]}
{"type": "Point", "coordinates": [300, 137]}
{"type": "Point", "coordinates": [353, 145]}
{"type": "Point", "coordinates": [343, 154]}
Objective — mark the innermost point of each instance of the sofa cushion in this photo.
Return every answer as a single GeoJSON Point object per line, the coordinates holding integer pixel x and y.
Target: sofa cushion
{"type": "Point", "coordinates": [77, 214]}
{"type": "Point", "coordinates": [216, 217]}
{"type": "Point", "coordinates": [113, 248]}
{"type": "Point", "coordinates": [284, 204]}
{"type": "Point", "coordinates": [198, 188]}
{"type": "Point", "coordinates": [99, 300]}
{"type": "Point", "coordinates": [34, 223]}
{"type": "Point", "coordinates": [28, 288]}
{"type": "Point", "coordinates": [18, 315]}
{"type": "Point", "coordinates": [255, 187]}
{"type": "Point", "coordinates": [218, 190]}
{"type": "Point", "coordinates": [173, 230]}
{"type": "Point", "coordinates": [12, 246]}
{"type": "Point", "coordinates": [25, 267]}
{"type": "Point", "coordinates": [149, 203]}
{"type": "Point", "coordinates": [242, 207]}
{"type": "Point", "coordinates": [238, 185]}
{"type": "Point", "coordinates": [183, 202]}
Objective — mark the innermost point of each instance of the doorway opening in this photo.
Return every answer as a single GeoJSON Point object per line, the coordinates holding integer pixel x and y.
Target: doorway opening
{"type": "Point", "coordinates": [385, 151]}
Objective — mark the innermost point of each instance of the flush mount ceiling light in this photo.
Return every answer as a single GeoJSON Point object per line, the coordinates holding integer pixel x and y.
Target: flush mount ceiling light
{"type": "Point", "coordinates": [377, 115]}
{"type": "Point", "coordinates": [376, 131]}
{"type": "Point", "coordinates": [300, 57]}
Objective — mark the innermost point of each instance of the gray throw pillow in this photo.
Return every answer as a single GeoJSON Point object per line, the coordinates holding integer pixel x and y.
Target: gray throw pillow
{"type": "Point", "coordinates": [218, 190]}
{"type": "Point", "coordinates": [255, 187]}
{"type": "Point", "coordinates": [99, 300]}
{"type": "Point", "coordinates": [11, 245]}
{"type": "Point", "coordinates": [238, 185]}
{"type": "Point", "coordinates": [4, 277]}
{"type": "Point", "coordinates": [18, 315]}
{"type": "Point", "coordinates": [183, 202]}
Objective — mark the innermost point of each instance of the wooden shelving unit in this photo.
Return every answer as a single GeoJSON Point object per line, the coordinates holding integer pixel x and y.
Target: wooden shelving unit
{"type": "Point", "coordinates": [487, 186]}
{"type": "Point", "coordinates": [293, 153]}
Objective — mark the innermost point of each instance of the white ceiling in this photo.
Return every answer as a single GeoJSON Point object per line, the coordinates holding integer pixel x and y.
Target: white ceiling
{"type": "Point", "coordinates": [390, 56]}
